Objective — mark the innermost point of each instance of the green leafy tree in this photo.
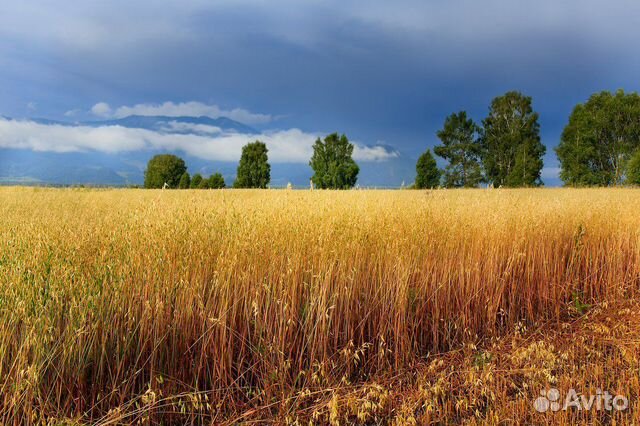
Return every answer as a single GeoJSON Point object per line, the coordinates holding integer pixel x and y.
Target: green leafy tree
{"type": "Point", "coordinates": [511, 148]}
{"type": "Point", "coordinates": [216, 181]}
{"type": "Point", "coordinates": [196, 181]}
{"type": "Point", "coordinates": [204, 184]}
{"type": "Point", "coordinates": [460, 147]}
{"type": "Point", "coordinates": [333, 164]}
{"type": "Point", "coordinates": [185, 181]}
{"type": "Point", "coordinates": [254, 170]}
{"type": "Point", "coordinates": [427, 172]}
{"type": "Point", "coordinates": [164, 168]}
{"type": "Point", "coordinates": [601, 137]}
{"type": "Point", "coordinates": [633, 169]}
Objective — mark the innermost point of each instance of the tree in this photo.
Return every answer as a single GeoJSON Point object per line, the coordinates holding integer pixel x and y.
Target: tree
{"type": "Point", "coordinates": [204, 184]}
{"type": "Point", "coordinates": [427, 172]}
{"type": "Point", "coordinates": [254, 170]}
{"type": "Point", "coordinates": [633, 169]}
{"type": "Point", "coordinates": [216, 181]}
{"type": "Point", "coordinates": [333, 164]}
{"type": "Point", "coordinates": [511, 148]}
{"type": "Point", "coordinates": [600, 138]}
{"type": "Point", "coordinates": [185, 181]}
{"type": "Point", "coordinates": [196, 181]}
{"type": "Point", "coordinates": [164, 168]}
{"type": "Point", "coordinates": [462, 150]}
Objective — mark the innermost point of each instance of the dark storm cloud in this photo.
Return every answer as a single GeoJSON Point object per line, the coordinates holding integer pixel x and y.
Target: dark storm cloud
{"type": "Point", "coordinates": [385, 72]}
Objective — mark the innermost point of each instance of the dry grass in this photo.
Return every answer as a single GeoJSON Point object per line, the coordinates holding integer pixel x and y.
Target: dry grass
{"type": "Point", "coordinates": [122, 306]}
{"type": "Point", "coordinates": [498, 382]}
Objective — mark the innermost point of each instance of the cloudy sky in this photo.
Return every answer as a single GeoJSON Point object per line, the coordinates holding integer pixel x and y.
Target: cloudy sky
{"type": "Point", "coordinates": [385, 73]}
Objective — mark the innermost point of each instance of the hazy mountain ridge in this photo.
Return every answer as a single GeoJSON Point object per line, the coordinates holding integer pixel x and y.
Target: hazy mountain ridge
{"type": "Point", "coordinates": [159, 123]}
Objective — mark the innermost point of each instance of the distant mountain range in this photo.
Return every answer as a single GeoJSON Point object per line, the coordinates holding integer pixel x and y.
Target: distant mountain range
{"type": "Point", "coordinates": [158, 123]}
{"type": "Point", "coordinates": [21, 166]}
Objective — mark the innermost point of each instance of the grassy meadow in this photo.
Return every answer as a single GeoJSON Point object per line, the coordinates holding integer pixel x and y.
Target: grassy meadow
{"type": "Point", "coordinates": [367, 307]}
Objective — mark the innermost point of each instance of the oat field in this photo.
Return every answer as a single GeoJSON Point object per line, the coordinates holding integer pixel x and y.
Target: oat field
{"type": "Point", "coordinates": [298, 307]}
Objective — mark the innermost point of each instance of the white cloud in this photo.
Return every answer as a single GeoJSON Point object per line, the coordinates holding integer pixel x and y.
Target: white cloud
{"type": "Point", "coordinates": [57, 138]}
{"type": "Point", "coordinates": [285, 146]}
{"type": "Point", "coordinates": [185, 109]}
{"type": "Point", "coordinates": [101, 109]}
{"type": "Point", "coordinates": [373, 153]}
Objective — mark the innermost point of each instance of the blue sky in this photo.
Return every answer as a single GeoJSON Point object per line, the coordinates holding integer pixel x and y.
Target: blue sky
{"type": "Point", "coordinates": [385, 73]}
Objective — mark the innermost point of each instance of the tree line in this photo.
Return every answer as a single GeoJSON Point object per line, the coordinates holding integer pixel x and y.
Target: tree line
{"type": "Point", "coordinates": [600, 146]}
{"type": "Point", "coordinates": [332, 163]}
{"type": "Point", "coordinates": [505, 151]}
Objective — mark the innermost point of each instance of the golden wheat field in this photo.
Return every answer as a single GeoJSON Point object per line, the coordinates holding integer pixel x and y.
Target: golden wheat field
{"type": "Point", "coordinates": [300, 307]}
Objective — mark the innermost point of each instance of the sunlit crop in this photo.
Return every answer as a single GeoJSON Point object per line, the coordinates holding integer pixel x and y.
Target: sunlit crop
{"type": "Point", "coordinates": [122, 306]}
